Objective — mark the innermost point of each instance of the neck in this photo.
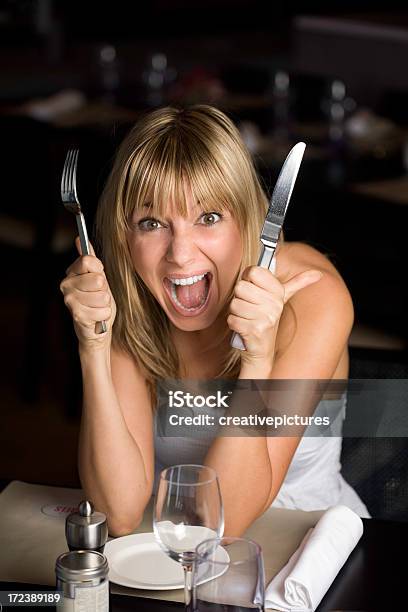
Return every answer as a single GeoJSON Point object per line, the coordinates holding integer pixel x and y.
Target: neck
{"type": "Point", "coordinates": [206, 345]}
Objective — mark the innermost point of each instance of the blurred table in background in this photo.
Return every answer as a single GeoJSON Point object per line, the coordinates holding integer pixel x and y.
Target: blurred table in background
{"type": "Point", "coordinates": [394, 190]}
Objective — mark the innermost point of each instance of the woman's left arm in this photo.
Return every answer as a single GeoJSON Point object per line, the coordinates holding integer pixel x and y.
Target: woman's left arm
{"type": "Point", "coordinates": [251, 469]}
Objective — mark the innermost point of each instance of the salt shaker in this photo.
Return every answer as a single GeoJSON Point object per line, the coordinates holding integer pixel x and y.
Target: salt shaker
{"type": "Point", "coordinates": [86, 529]}
{"type": "Point", "coordinates": [83, 580]}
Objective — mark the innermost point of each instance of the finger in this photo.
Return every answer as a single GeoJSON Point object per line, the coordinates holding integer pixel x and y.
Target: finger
{"type": "Point", "coordinates": [300, 281]}
{"type": "Point", "coordinates": [261, 277]}
{"type": "Point", "coordinates": [84, 265]}
{"type": "Point", "coordinates": [79, 249]}
{"type": "Point", "coordinates": [246, 290]}
{"type": "Point", "coordinates": [244, 309]}
{"type": "Point", "coordinates": [238, 324]}
{"type": "Point", "coordinates": [92, 299]}
{"type": "Point", "coordinates": [252, 335]}
{"type": "Point", "coordinates": [93, 281]}
{"type": "Point", "coordinates": [261, 321]}
{"type": "Point", "coordinates": [87, 316]}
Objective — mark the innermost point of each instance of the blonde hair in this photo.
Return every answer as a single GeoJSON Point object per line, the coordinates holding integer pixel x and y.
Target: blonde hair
{"type": "Point", "coordinates": [166, 149]}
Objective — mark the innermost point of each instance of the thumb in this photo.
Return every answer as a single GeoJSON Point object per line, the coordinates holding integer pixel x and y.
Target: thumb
{"type": "Point", "coordinates": [78, 246]}
{"type": "Point", "coordinates": [300, 281]}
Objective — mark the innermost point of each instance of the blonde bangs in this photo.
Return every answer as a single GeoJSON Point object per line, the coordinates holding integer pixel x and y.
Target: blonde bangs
{"type": "Point", "coordinates": [209, 185]}
{"type": "Point", "coordinates": [170, 167]}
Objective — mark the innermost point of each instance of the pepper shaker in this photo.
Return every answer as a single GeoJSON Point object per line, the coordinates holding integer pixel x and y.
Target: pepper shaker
{"type": "Point", "coordinates": [86, 529]}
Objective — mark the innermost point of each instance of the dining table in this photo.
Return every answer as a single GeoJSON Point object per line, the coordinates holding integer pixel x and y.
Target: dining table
{"type": "Point", "coordinates": [370, 579]}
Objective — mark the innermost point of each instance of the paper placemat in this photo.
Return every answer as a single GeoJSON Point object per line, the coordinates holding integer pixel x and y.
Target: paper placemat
{"type": "Point", "coordinates": [32, 535]}
{"type": "Point", "coordinates": [32, 530]}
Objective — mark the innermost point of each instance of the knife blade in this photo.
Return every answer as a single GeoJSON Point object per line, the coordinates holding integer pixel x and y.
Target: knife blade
{"type": "Point", "coordinates": [275, 216]}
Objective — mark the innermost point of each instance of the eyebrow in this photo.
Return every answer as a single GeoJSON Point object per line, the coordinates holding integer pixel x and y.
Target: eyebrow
{"type": "Point", "coordinates": [149, 205]}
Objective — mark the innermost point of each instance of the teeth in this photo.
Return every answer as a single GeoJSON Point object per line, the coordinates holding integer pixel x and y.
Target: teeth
{"type": "Point", "coordinates": [187, 281]}
{"type": "Point", "coordinates": [181, 281]}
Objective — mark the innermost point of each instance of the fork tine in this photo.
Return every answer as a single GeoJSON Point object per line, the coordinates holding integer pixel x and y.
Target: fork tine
{"type": "Point", "coordinates": [69, 173]}
{"type": "Point", "coordinates": [64, 173]}
{"type": "Point", "coordinates": [74, 172]}
{"type": "Point", "coordinates": [65, 181]}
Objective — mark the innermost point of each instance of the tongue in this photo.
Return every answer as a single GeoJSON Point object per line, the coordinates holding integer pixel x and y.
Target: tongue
{"type": "Point", "coordinates": [192, 296]}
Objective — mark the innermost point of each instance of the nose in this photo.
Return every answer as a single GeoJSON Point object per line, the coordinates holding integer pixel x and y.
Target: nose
{"type": "Point", "coordinates": [181, 249]}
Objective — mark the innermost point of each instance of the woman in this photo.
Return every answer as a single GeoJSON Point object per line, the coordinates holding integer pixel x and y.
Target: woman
{"type": "Point", "coordinates": [179, 225]}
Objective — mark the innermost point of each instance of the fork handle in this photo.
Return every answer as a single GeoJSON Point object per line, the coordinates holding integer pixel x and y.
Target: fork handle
{"type": "Point", "coordinates": [83, 234]}
{"type": "Point", "coordinates": [100, 326]}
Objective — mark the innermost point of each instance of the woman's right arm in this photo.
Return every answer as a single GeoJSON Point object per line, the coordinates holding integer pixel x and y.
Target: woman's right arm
{"type": "Point", "coordinates": [116, 459]}
{"type": "Point", "coordinates": [115, 455]}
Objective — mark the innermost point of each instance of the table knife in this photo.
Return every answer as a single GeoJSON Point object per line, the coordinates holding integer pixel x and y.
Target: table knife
{"type": "Point", "coordinates": [276, 215]}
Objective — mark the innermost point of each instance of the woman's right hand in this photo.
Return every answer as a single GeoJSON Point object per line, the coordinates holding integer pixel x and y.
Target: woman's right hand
{"type": "Point", "coordinates": [89, 299]}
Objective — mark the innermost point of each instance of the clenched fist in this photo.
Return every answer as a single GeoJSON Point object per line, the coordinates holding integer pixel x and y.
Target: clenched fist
{"type": "Point", "coordinates": [89, 299]}
{"type": "Point", "coordinates": [255, 310]}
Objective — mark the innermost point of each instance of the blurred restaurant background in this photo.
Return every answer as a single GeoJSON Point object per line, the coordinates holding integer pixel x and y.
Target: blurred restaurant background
{"type": "Point", "coordinates": [79, 75]}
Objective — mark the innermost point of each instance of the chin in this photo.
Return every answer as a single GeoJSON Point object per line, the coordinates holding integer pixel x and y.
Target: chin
{"type": "Point", "coordinates": [192, 323]}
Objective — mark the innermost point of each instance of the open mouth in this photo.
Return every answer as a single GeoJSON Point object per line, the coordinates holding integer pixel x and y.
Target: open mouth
{"type": "Point", "coordinates": [189, 296]}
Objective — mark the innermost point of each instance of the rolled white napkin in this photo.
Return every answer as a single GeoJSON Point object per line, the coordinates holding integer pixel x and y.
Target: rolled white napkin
{"type": "Point", "coordinates": [302, 583]}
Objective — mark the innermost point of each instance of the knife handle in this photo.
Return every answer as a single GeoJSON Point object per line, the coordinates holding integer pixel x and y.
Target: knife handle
{"type": "Point", "coordinates": [264, 261]}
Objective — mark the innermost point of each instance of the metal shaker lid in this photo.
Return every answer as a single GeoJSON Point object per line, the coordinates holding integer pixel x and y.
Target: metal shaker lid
{"type": "Point", "coordinates": [81, 565]}
{"type": "Point", "coordinates": [86, 529]}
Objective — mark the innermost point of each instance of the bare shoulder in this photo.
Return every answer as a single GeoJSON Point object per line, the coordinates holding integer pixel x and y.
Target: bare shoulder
{"type": "Point", "coordinates": [295, 257]}
{"type": "Point", "coordinates": [322, 311]}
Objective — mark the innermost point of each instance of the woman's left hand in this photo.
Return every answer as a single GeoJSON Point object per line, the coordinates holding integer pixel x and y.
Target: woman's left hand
{"type": "Point", "coordinates": [255, 310]}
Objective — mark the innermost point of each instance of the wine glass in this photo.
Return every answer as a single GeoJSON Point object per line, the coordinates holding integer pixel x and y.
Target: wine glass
{"type": "Point", "coordinates": [228, 574]}
{"type": "Point", "coordinates": [187, 510]}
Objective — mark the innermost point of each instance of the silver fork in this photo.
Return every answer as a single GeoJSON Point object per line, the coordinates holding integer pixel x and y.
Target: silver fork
{"type": "Point", "coordinates": [70, 200]}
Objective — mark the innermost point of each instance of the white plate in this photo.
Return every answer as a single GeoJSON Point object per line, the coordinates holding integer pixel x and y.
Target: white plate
{"type": "Point", "coordinates": [138, 562]}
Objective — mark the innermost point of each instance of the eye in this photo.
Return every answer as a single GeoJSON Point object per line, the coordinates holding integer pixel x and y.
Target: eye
{"type": "Point", "coordinates": [149, 224]}
{"type": "Point", "coordinates": [210, 218]}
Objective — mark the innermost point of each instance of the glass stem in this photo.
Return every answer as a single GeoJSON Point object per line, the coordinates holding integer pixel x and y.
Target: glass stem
{"type": "Point", "coordinates": [187, 584]}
